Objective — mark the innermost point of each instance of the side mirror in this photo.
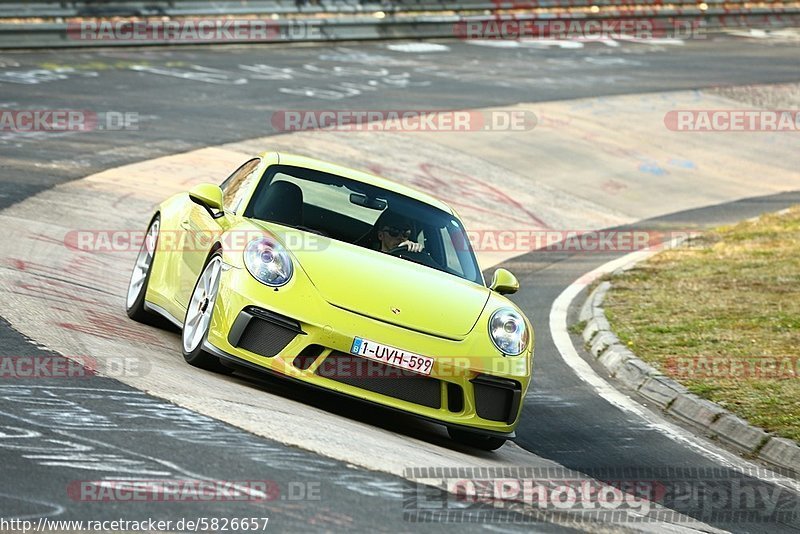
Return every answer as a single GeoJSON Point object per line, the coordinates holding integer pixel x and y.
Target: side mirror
{"type": "Point", "coordinates": [504, 282]}
{"type": "Point", "coordinates": [207, 195]}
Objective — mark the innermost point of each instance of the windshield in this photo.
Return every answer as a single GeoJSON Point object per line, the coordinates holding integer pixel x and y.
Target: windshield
{"type": "Point", "coordinates": [354, 212]}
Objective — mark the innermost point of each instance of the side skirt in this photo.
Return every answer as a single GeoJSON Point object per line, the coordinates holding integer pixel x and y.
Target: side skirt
{"type": "Point", "coordinates": [164, 313]}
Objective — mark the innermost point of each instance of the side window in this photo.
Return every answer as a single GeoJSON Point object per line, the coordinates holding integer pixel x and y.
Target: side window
{"type": "Point", "coordinates": [237, 184]}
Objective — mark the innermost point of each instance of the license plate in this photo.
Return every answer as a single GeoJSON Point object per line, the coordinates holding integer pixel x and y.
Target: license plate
{"type": "Point", "coordinates": [392, 356]}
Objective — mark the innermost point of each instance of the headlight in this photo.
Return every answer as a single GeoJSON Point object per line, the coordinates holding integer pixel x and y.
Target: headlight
{"type": "Point", "coordinates": [268, 262]}
{"type": "Point", "coordinates": [508, 331]}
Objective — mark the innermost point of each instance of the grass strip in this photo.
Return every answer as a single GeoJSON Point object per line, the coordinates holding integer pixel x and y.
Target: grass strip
{"type": "Point", "coordinates": [722, 316]}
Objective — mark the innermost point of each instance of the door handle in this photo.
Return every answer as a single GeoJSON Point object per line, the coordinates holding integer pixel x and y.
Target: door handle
{"type": "Point", "coordinates": [186, 225]}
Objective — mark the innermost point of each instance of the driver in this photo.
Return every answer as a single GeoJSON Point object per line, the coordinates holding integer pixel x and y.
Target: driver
{"type": "Point", "coordinates": [395, 231]}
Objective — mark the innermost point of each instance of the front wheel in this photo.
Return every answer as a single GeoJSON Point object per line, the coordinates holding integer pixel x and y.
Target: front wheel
{"type": "Point", "coordinates": [198, 318]}
{"type": "Point", "coordinates": [137, 287]}
{"type": "Point", "coordinates": [473, 439]}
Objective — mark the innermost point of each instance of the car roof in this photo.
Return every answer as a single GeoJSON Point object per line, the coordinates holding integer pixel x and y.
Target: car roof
{"type": "Point", "coordinates": [360, 176]}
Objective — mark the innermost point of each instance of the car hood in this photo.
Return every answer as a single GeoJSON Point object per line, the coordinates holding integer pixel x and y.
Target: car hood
{"type": "Point", "coordinates": [390, 289]}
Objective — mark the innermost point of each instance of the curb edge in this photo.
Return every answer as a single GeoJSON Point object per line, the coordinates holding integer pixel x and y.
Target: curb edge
{"type": "Point", "coordinates": [673, 398]}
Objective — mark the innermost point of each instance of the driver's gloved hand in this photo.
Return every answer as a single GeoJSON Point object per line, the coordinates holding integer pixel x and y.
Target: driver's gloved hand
{"type": "Point", "coordinates": [412, 247]}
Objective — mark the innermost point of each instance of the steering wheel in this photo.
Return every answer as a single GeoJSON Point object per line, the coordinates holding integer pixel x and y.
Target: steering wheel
{"type": "Point", "coordinates": [423, 258]}
{"type": "Point", "coordinates": [396, 251]}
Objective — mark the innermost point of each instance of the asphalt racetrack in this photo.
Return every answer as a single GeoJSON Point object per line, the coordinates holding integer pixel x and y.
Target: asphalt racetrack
{"type": "Point", "coordinates": [56, 433]}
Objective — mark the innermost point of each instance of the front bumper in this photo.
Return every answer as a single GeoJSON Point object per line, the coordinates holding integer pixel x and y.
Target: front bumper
{"type": "Point", "coordinates": [295, 334]}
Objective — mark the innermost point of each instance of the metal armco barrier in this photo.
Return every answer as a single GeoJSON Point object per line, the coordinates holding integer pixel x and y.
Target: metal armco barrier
{"type": "Point", "coordinates": [182, 8]}
{"type": "Point", "coordinates": [344, 27]}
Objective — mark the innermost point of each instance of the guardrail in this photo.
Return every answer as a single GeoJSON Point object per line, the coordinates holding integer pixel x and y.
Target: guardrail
{"type": "Point", "coordinates": [400, 25]}
{"type": "Point", "coordinates": [183, 8]}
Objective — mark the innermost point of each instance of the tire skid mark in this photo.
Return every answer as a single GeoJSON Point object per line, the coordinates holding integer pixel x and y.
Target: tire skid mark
{"type": "Point", "coordinates": [465, 192]}
{"type": "Point", "coordinates": [50, 509]}
{"type": "Point", "coordinates": [80, 271]}
{"type": "Point", "coordinates": [49, 427]}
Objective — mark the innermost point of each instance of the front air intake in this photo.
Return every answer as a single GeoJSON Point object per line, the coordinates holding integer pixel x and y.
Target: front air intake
{"type": "Point", "coordinates": [263, 332]}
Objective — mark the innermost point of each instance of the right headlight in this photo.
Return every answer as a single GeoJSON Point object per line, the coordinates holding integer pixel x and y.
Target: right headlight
{"type": "Point", "coordinates": [508, 331]}
{"type": "Point", "coordinates": [268, 262]}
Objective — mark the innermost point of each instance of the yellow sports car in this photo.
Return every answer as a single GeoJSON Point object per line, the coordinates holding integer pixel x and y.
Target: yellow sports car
{"type": "Point", "coordinates": [341, 280]}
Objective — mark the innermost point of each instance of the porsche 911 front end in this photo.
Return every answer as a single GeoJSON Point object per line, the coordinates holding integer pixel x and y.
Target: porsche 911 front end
{"type": "Point", "coordinates": [348, 282]}
{"type": "Point", "coordinates": [294, 330]}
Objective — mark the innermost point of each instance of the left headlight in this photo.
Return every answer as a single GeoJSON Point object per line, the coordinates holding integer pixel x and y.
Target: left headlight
{"type": "Point", "coordinates": [508, 331]}
{"type": "Point", "coordinates": [268, 262]}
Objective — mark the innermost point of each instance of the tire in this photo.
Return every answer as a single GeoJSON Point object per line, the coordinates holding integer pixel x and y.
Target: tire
{"type": "Point", "coordinates": [140, 276]}
{"type": "Point", "coordinates": [197, 320]}
{"type": "Point", "coordinates": [474, 439]}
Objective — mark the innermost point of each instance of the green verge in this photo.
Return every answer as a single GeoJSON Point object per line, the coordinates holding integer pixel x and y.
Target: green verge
{"type": "Point", "coordinates": [722, 316]}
